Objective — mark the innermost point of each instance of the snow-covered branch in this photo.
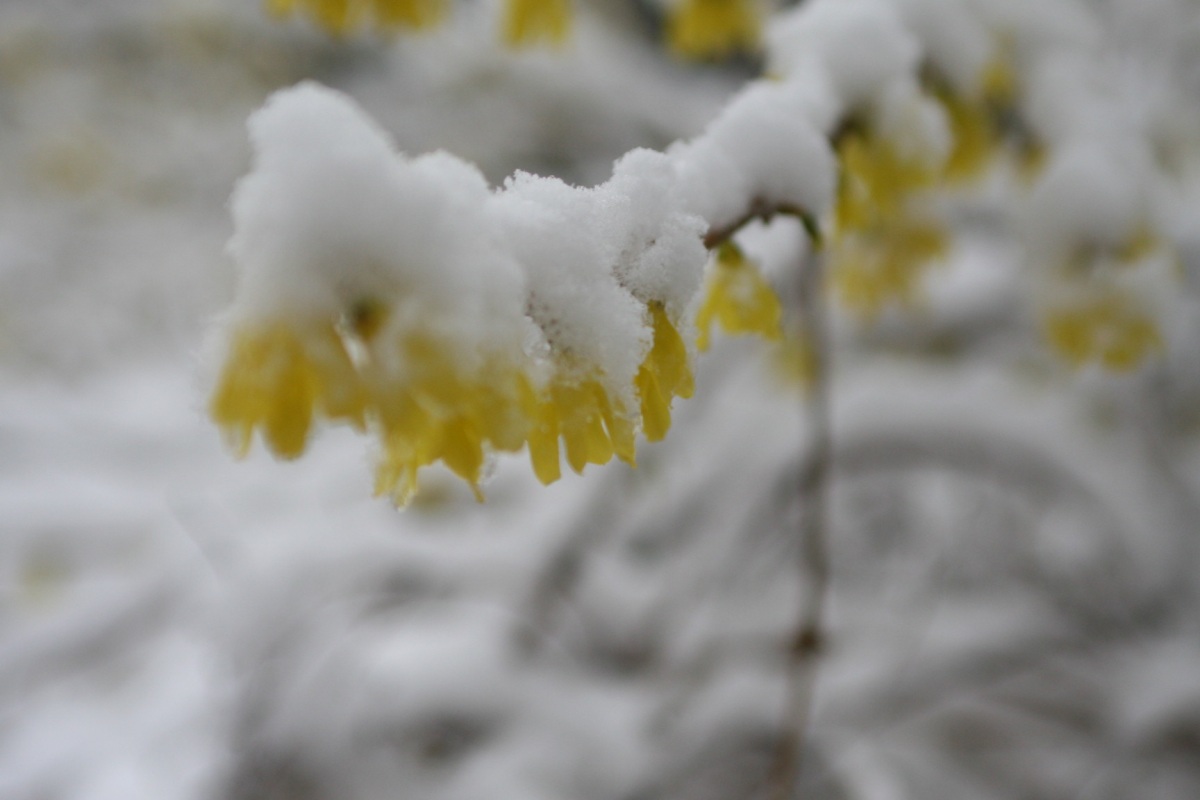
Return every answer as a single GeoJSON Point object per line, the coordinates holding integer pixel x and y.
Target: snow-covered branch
{"type": "Point", "coordinates": [405, 296]}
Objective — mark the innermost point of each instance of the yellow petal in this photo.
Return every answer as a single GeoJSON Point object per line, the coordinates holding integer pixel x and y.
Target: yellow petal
{"type": "Point", "coordinates": [462, 450]}
{"type": "Point", "coordinates": [656, 409]}
{"type": "Point", "coordinates": [543, 445]}
{"type": "Point", "coordinates": [617, 424]}
{"type": "Point", "coordinates": [528, 22]}
{"type": "Point", "coordinates": [290, 408]}
{"type": "Point", "coordinates": [412, 14]}
{"type": "Point", "coordinates": [668, 355]}
{"type": "Point", "coordinates": [713, 28]}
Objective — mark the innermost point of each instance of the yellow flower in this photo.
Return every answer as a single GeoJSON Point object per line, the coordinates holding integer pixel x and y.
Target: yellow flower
{"type": "Point", "coordinates": [868, 271]}
{"type": "Point", "coordinates": [882, 242]}
{"type": "Point", "coordinates": [277, 377]}
{"type": "Point", "coordinates": [339, 17]}
{"type": "Point", "coordinates": [594, 426]}
{"type": "Point", "coordinates": [409, 14]}
{"type": "Point", "coordinates": [975, 137]}
{"type": "Point", "coordinates": [877, 182]}
{"type": "Point", "coordinates": [713, 28]}
{"type": "Point", "coordinates": [1107, 328]}
{"type": "Point", "coordinates": [1139, 245]}
{"type": "Point", "coordinates": [591, 427]}
{"type": "Point", "coordinates": [998, 80]}
{"type": "Point", "coordinates": [528, 22]}
{"type": "Point", "coordinates": [431, 410]}
{"type": "Point", "coordinates": [664, 375]}
{"type": "Point", "coordinates": [795, 360]}
{"type": "Point", "coordinates": [426, 403]}
{"type": "Point", "coordinates": [336, 16]}
{"type": "Point", "coordinates": [738, 299]}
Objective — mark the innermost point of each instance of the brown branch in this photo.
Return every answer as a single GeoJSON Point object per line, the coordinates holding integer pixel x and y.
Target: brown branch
{"type": "Point", "coordinates": [762, 210]}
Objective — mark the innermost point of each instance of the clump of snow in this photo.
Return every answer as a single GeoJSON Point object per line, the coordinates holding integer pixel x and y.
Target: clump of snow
{"type": "Point", "coordinates": [781, 157]}
{"type": "Point", "coordinates": [332, 215]}
{"type": "Point", "coordinates": [558, 233]}
{"type": "Point", "coordinates": [1036, 26]}
{"type": "Point", "coordinates": [1087, 197]}
{"type": "Point", "coordinates": [912, 123]}
{"type": "Point", "coordinates": [953, 39]}
{"type": "Point", "coordinates": [861, 45]}
{"type": "Point", "coordinates": [1066, 98]}
{"type": "Point", "coordinates": [661, 252]}
{"type": "Point", "coordinates": [712, 185]}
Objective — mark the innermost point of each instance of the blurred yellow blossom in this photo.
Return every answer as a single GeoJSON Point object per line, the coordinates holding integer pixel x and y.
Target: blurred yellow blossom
{"type": "Point", "coordinates": [883, 240]}
{"type": "Point", "coordinates": [340, 17]}
{"type": "Point", "coordinates": [426, 407]}
{"type": "Point", "coordinates": [713, 28]}
{"type": "Point", "coordinates": [1108, 328]}
{"type": "Point", "coordinates": [528, 22]}
{"type": "Point", "coordinates": [738, 299]}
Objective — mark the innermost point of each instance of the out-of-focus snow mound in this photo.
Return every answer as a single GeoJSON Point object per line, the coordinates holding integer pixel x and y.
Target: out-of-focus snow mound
{"type": "Point", "coordinates": [1013, 612]}
{"type": "Point", "coordinates": [142, 569]}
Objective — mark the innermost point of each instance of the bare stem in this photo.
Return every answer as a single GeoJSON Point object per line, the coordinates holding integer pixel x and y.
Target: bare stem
{"type": "Point", "coordinates": [813, 563]}
{"type": "Point", "coordinates": [761, 210]}
{"type": "Point", "coordinates": [807, 640]}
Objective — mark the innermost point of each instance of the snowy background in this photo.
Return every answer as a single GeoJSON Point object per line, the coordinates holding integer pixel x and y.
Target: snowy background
{"type": "Point", "coordinates": [1014, 610]}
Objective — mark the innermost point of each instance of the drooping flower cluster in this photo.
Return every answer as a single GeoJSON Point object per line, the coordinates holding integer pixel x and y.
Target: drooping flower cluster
{"type": "Point", "coordinates": [407, 298]}
{"type": "Point", "coordinates": [943, 100]}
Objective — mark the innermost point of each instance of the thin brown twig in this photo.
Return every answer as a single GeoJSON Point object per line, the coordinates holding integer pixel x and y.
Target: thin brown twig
{"type": "Point", "coordinates": [765, 211]}
{"type": "Point", "coordinates": [807, 640]}
{"type": "Point", "coordinates": [813, 488]}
